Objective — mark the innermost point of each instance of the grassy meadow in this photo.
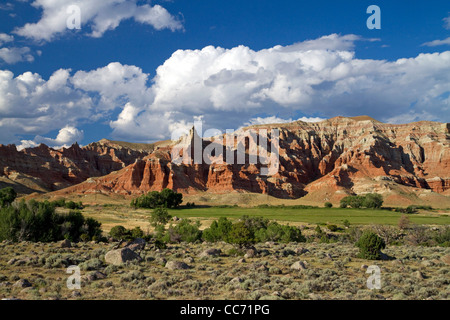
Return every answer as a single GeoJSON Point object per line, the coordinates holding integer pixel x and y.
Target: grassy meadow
{"type": "Point", "coordinates": [123, 214]}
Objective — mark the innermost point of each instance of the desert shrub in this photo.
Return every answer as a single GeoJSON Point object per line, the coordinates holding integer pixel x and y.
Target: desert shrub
{"type": "Point", "coordinates": [159, 233]}
{"type": "Point", "coordinates": [404, 222]}
{"type": "Point", "coordinates": [333, 227]}
{"type": "Point", "coordinates": [319, 231]}
{"type": "Point", "coordinates": [442, 238]}
{"type": "Point", "coordinates": [122, 233]}
{"type": "Point", "coordinates": [324, 238]}
{"type": "Point", "coordinates": [186, 231]}
{"type": "Point", "coordinates": [159, 216]}
{"type": "Point", "coordinates": [418, 235]}
{"type": "Point", "coordinates": [328, 205]}
{"type": "Point", "coordinates": [7, 196]}
{"type": "Point", "coordinates": [346, 223]}
{"type": "Point", "coordinates": [279, 233]}
{"type": "Point", "coordinates": [234, 252]}
{"type": "Point", "coordinates": [131, 275]}
{"type": "Point", "coordinates": [167, 198]}
{"type": "Point", "coordinates": [389, 234]}
{"type": "Point", "coordinates": [91, 264]}
{"type": "Point", "coordinates": [137, 233]}
{"type": "Point", "coordinates": [370, 245]}
{"type": "Point", "coordinates": [218, 231]}
{"type": "Point", "coordinates": [119, 232]}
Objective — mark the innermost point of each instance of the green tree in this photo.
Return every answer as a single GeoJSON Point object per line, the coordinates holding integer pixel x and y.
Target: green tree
{"type": "Point", "coordinates": [279, 233]}
{"type": "Point", "coordinates": [7, 196]}
{"type": "Point", "coordinates": [218, 231]}
{"type": "Point", "coordinates": [38, 221]}
{"type": "Point", "coordinates": [370, 200]}
{"type": "Point", "coordinates": [186, 231]}
{"type": "Point", "coordinates": [240, 235]}
{"type": "Point", "coordinates": [167, 198]}
{"type": "Point", "coordinates": [118, 232]}
{"type": "Point", "coordinates": [170, 198]}
{"type": "Point", "coordinates": [255, 223]}
{"type": "Point", "coordinates": [328, 205]}
{"type": "Point", "coordinates": [370, 245]}
{"type": "Point", "coordinates": [373, 200]}
{"type": "Point", "coordinates": [93, 228]}
{"type": "Point", "coordinates": [159, 216]}
{"type": "Point", "coordinates": [137, 233]}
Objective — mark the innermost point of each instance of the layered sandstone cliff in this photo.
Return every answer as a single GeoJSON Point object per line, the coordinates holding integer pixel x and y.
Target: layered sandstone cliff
{"type": "Point", "coordinates": [46, 169]}
{"type": "Point", "coordinates": [337, 155]}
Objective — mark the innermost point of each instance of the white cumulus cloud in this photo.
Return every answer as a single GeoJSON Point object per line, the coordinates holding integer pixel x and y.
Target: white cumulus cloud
{"type": "Point", "coordinates": [322, 76]}
{"type": "Point", "coordinates": [95, 16]}
{"type": "Point", "coordinates": [274, 119]}
{"type": "Point", "coordinates": [4, 38]}
{"type": "Point", "coordinates": [14, 54]}
{"type": "Point", "coordinates": [230, 88]}
{"type": "Point", "coordinates": [30, 104]}
{"type": "Point", "coordinates": [65, 138]}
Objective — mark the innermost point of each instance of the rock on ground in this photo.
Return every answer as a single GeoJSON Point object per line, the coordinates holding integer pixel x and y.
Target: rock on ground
{"type": "Point", "coordinates": [22, 283]}
{"type": "Point", "coordinates": [120, 256]}
{"type": "Point", "coordinates": [137, 244]}
{"type": "Point", "coordinates": [176, 265]}
{"type": "Point", "coordinates": [65, 244]}
{"type": "Point", "coordinates": [299, 265]}
{"type": "Point", "coordinates": [210, 252]}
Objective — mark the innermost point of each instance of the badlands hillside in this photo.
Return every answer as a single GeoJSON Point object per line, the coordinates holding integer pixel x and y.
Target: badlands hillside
{"type": "Point", "coordinates": [323, 161]}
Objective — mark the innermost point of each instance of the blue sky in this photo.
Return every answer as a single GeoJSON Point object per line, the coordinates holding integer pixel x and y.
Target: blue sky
{"type": "Point", "coordinates": [161, 64]}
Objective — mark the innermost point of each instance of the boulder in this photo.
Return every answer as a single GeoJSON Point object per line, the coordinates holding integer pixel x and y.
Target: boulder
{"type": "Point", "coordinates": [65, 244]}
{"type": "Point", "coordinates": [120, 256]}
{"type": "Point", "coordinates": [22, 283]}
{"type": "Point", "coordinates": [137, 244]}
{"type": "Point", "coordinates": [176, 265]}
{"type": "Point", "coordinates": [188, 260]}
{"type": "Point", "coordinates": [210, 252]}
{"type": "Point", "coordinates": [419, 275]}
{"type": "Point", "coordinates": [250, 253]}
{"type": "Point", "coordinates": [236, 280]}
{"type": "Point", "coordinates": [95, 275]}
{"type": "Point", "coordinates": [299, 265]}
{"type": "Point", "coordinates": [301, 250]}
{"type": "Point", "coordinates": [427, 263]}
